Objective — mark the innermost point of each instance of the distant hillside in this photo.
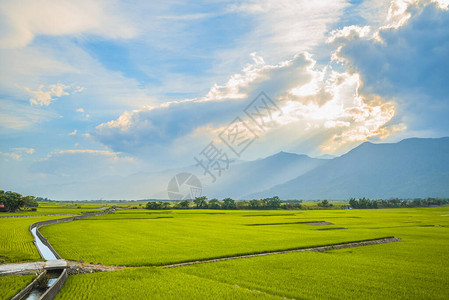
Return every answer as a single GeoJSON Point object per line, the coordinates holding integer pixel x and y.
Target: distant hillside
{"type": "Point", "coordinates": [411, 168]}
{"type": "Point", "coordinates": [253, 176]}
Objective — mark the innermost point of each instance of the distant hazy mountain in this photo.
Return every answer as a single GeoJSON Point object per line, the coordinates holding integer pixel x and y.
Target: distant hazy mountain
{"type": "Point", "coordinates": [411, 168]}
{"type": "Point", "coordinates": [240, 179]}
{"type": "Point", "coordinates": [408, 169]}
{"type": "Point", "coordinates": [253, 176]}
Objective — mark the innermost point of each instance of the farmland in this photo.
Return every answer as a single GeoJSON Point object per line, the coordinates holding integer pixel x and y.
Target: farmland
{"type": "Point", "coordinates": [16, 241]}
{"type": "Point", "coordinates": [416, 267]}
{"type": "Point", "coordinates": [160, 284]}
{"type": "Point", "coordinates": [141, 239]}
{"type": "Point", "coordinates": [15, 283]}
{"type": "Point", "coordinates": [52, 210]}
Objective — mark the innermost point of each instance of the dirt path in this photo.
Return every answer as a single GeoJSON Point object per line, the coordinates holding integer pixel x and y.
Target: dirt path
{"type": "Point", "coordinates": [319, 249]}
{"type": "Point", "coordinates": [21, 268]}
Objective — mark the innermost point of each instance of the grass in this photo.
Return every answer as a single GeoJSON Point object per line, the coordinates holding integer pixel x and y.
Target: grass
{"type": "Point", "coordinates": [138, 239]}
{"type": "Point", "coordinates": [146, 283]}
{"type": "Point", "coordinates": [15, 284]}
{"type": "Point", "coordinates": [50, 211]}
{"type": "Point", "coordinates": [16, 241]}
{"type": "Point", "coordinates": [415, 268]}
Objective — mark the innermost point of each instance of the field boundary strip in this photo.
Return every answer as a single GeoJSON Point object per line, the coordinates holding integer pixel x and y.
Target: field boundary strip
{"type": "Point", "coordinates": [28, 216]}
{"type": "Point", "coordinates": [317, 249]}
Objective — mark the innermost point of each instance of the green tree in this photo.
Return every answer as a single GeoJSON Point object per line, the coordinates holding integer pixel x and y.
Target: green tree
{"type": "Point", "coordinates": [353, 203]}
{"type": "Point", "coordinates": [12, 201]}
{"type": "Point", "coordinates": [200, 202]}
{"type": "Point", "coordinates": [254, 203]}
{"type": "Point", "coordinates": [324, 203]}
{"type": "Point", "coordinates": [153, 205]}
{"type": "Point", "coordinates": [242, 204]}
{"type": "Point", "coordinates": [228, 203]}
{"type": "Point", "coordinates": [274, 202]}
{"type": "Point", "coordinates": [30, 201]}
{"type": "Point", "coordinates": [291, 205]}
{"type": "Point", "coordinates": [214, 204]}
{"type": "Point", "coordinates": [165, 205]}
{"type": "Point", "coordinates": [183, 204]}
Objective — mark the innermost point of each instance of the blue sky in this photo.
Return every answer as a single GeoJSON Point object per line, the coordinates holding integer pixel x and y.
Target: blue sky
{"type": "Point", "coordinates": [99, 90]}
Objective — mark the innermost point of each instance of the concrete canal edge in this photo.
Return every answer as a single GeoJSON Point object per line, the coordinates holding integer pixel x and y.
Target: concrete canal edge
{"type": "Point", "coordinates": [57, 286]}
{"type": "Point", "coordinates": [52, 291]}
{"type": "Point", "coordinates": [28, 288]}
{"type": "Point", "coordinates": [38, 225]}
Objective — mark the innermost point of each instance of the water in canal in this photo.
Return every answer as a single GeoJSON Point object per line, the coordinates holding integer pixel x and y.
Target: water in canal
{"type": "Point", "coordinates": [47, 281]}
{"type": "Point", "coordinates": [45, 251]}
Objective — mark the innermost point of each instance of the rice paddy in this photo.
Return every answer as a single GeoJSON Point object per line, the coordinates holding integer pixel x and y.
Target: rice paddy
{"type": "Point", "coordinates": [51, 210]}
{"type": "Point", "coordinates": [11, 285]}
{"type": "Point", "coordinates": [154, 283]}
{"type": "Point", "coordinates": [16, 241]}
{"type": "Point", "coordinates": [150, 240]}
{"type": "Point", "coordinates": [416, 267]}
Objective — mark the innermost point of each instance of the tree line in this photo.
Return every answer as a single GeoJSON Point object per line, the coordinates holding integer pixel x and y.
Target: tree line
{"type": "Point", "coordinates": [12, 201]}
{"type": "Point", "coordinates": [227, 203]}
{"type": "Point", "coordinates": [396, 203]}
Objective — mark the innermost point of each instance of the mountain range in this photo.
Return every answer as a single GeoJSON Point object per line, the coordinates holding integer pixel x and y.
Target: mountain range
{"type": "Point", "coordinates": [411, 168]}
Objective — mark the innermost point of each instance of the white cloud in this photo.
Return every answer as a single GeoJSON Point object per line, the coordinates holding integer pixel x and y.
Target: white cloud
{"type": "Point", "coordinates": [17, 153]}
{"type": "Point", "coordinates": [79, 89]}
{"type": "Point", "coordinates": [73, 133]}
{"type": "Point", "coordinates": [85, 115]}
{"type": "Point", "coordinates": [90, 151]}
{"type": "Point", "coordinates": [44, 98]}
{"type": "Point", "coordinates": [308, 94]}
{"type": "Point", "coordinates": [444, 4]}
{"type": "Point", "coordinates": [88, 163]}
{"type": "Point", "coordinates": [12, 155]}
{"type": "Point", "coordinates": [348, 32]}
{"type": "Point", "coordinates": [24, 150]}
{"type": "Point", "coordinates": [405, 59]}
{"type": "Point", "coordinates": [23, 20]}
{"type": "Point", "coordinates": [18, 116]}
{"type": "Point", "coordinates": [286, 27]}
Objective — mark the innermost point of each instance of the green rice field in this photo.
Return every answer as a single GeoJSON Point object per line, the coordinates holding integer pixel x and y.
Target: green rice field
{"type": "Point", "coordinates": [415, 268]}
{"type": "Point", "coordinates": [133, 239]}
{"type": "Point", "coordinates": [51, 210]}
{"type": "Point", "coordinates": [11, 285]}
{"type": "Point", "coordinates": [16, 241]}
{"type": "Point", "coordinates": [152, 283]}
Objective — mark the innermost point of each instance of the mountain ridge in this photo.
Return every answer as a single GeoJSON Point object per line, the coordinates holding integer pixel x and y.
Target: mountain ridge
{"type": "Point", "coordinates": [415, 167]}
